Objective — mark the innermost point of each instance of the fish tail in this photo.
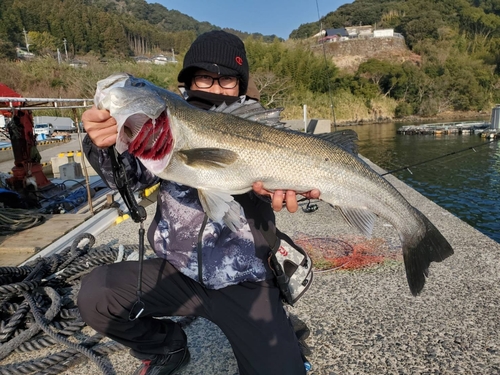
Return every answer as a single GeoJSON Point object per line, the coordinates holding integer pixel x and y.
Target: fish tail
{"type": "Point", "coordinates": [419, 252]}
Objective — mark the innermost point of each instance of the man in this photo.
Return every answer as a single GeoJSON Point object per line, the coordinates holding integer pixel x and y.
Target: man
{"type": "Point", "coordinates": [203, 268]}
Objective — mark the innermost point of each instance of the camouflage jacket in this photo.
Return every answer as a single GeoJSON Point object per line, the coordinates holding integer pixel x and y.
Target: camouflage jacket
{"type": "Point", "coordinates": [182, 234]}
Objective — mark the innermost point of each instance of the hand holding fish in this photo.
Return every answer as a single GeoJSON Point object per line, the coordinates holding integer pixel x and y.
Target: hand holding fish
{"type": "Point", "coordinates": [278, 197]}
{"type": "Point", "coordinates": [222, 155]}
{"type": "Point", "coordinates": [100, 127]}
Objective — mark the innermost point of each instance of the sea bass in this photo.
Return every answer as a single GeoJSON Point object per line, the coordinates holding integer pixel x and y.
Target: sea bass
{"type": "Point", "coordinates": [223, 155]}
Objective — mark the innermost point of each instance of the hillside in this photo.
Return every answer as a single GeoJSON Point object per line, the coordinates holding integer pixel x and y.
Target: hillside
{"type": "Point", "coordinates": [106, 28]}
{"type": "Point", "coordinates": [350, 54]}
{"type": "Point", "coordinates": [414, 19]}
{"type": "Point", "coordinates": [444, 55]}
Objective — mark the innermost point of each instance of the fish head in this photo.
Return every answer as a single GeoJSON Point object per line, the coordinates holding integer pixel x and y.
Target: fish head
{"type": "Point", "coordinates": [142, 117]}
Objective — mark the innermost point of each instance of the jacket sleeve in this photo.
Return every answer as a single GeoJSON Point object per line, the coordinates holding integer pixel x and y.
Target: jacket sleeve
{"type": "Point", "coordinates": [138, 176]}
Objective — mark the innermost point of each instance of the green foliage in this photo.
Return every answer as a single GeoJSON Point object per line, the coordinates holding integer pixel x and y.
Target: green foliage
{"type": "Point", "coordinates": [403, 109]}
{"type": "Point", "coordinates": [458, 41]}
{"type": "Point", "coordinates": [7, 50]}
{"type": "Point", "coordinates": [356, 85]}
{"type": "Point", "coordinates": [292, 67]}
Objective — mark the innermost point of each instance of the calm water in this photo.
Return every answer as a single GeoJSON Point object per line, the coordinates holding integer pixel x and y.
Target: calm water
{"type": "Point", "coordinates": [466, 184]}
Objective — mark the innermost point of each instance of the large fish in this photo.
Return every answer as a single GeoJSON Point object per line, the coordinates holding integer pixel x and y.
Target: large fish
{"type": "Point", "coordinates": [222, 155]}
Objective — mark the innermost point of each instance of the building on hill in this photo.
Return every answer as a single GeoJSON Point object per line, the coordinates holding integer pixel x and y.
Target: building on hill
{"type": "Point", "coordinates": [162, 59]}
{"type": "Point", "coordinates": [355, 32]}
{"type": "Point", "coordinates": [334, 35]}
{"type": "Point", "coordinates": [142, 60]}
{"type": "Point", "coordinates": [360, 31]}
{"type": "Point", "coordinates": [78, 63]}
{"type": "Point", "coordinates": [22, 53]}
{"type": "Point", "coordinates": [383, 33]}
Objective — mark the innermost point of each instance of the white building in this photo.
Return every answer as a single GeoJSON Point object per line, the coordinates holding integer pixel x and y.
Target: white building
{"type": "Point", "coordinates": [162, 59]}
{"type": "Point", "coordinates": [383, 33]}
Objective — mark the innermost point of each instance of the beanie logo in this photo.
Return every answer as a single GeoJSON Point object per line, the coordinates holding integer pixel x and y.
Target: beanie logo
{"type": "Point", "coordinates": [239, 60]}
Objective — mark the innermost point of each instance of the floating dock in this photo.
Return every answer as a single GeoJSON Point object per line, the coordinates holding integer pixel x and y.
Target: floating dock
{"type": "Point", "coordinates": [490, 130]}
{"type": "Point", "coordinates": [467, 127]}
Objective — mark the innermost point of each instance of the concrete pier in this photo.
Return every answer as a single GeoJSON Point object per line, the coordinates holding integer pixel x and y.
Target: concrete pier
{"type": "Point", "coordinates": [366, 322]}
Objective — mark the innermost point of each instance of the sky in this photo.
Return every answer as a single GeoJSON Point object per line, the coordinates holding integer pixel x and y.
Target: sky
{"type": "Point", "coordinates": [268, 17]}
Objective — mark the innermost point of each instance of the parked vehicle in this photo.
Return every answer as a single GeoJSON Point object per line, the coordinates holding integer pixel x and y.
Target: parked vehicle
{"type": "Point", "coordinates": [44, 130]}
{"type": "Point", "coordinates": [64, 124]}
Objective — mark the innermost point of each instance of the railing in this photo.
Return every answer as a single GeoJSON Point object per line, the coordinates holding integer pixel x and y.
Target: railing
{"type": "Point", "coordinates": [11, 103]}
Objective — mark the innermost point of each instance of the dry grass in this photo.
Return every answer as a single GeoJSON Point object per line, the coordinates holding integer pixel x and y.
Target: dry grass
{"type": "Point", "coordinates": [45, 78]}
{"type": "Point", "coordinates": [347, 108]}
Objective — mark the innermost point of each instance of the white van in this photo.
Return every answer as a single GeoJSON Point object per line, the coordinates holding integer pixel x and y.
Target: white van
{"type": "Point", "coordinates": [64, 124]}
{"type": "Point", "coordinates": [44, 129]}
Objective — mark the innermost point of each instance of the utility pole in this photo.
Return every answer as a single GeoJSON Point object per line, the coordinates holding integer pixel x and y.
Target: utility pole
{"type": "Point", "coordinates": [26, 40]}
{"type": "Point", "coordinates": [65, 49]}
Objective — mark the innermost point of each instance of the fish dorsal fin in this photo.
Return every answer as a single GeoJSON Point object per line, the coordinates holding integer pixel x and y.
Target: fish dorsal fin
{"type": "Point", "coordinates": [362, 219]}
{"type": "Point", "coordinates": [344, 138]}
{"type": "Point", "coordinates": [254, 111]}
{"type": "Point", "coordinates": [208, 157]}
{"type": "Point", "coordinates": [221, 207]}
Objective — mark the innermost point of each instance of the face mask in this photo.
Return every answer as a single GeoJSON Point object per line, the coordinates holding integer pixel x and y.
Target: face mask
{"type": "Point", "coordinates": [206, 100]}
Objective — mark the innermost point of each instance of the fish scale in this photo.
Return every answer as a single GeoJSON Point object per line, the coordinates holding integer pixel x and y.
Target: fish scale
{"type": "Point", "coordinates": [222, 155]}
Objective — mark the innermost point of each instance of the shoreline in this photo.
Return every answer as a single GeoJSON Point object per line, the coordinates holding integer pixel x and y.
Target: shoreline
{"type": "Point", "coordinates": [441, 117]}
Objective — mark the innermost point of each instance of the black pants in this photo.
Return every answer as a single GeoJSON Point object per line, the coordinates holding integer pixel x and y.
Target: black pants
{"type": "Point", "coordinates": [251, 315]}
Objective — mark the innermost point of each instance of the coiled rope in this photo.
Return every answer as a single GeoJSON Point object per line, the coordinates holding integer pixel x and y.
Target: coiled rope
{"type": "Point", "coordinates": [15, 219]}
{"type": "Point", "coordinates": [38, 310]}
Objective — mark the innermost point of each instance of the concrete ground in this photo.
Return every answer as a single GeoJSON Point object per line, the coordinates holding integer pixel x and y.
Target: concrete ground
{"type": "Point", "coordinates": [367, 322]}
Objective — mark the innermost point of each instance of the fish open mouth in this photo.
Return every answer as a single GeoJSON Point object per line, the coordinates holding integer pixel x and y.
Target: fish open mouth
{"type": "Point", "coordinates": [153, 140]}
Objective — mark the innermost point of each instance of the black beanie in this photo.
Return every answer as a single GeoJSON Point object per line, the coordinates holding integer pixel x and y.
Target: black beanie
{"type": "Point", "coordinates": [217, 52]}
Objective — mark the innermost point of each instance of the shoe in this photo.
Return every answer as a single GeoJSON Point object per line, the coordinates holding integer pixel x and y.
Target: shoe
{"type": "Point", "coordinates": [302, 332]}
{"type": "Point", "coordinates": [167, 364]}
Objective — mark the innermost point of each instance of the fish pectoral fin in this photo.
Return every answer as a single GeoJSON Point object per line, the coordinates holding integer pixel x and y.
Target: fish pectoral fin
{"type": "Point", "coordinates": [208, 157]}
{"type": "Point", "coordinates": [362, 219]}
{"type": "Point", "coordinates": [221, 207]}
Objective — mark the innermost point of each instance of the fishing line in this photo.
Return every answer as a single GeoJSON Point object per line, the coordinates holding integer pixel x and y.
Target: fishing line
{"type": "Point", "coordinates": [407, 167]}
{"type": "Point", "coordinates": [330, 96]}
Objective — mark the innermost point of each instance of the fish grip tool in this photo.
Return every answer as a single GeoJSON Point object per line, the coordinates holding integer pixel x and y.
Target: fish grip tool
{"type": "Point", "coordinates": [137, 213]}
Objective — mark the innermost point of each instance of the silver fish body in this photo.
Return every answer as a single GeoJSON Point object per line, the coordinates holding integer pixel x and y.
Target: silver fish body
{"type": "Point", "coordinates": [222, 155]}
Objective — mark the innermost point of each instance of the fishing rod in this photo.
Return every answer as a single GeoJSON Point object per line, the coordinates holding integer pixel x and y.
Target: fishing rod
{"type": "Point", "coordinates": [437, 158]}
{"type": "Point", "coordinates": [330, 95]}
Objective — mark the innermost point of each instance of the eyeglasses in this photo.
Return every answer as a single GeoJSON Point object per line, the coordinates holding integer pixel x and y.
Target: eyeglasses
{"type": "Point", "coordinates": [205, 82]}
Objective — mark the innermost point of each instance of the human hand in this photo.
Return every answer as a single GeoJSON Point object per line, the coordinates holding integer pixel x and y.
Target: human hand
{"type": "Point", "coordinates": [289, 197]}
{"type": "Point", "coordinates": [100, 127]}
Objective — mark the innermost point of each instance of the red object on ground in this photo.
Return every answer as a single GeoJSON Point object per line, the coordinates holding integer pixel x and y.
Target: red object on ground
{"type": "Point", "coordinates": [27, 170]}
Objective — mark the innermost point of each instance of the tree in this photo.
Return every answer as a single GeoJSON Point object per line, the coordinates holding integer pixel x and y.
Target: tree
{"type": "Point", "coordinates": [479, 26]}
{"type": "Point", "coordinates": [42, 43]}
{"type": "Point", "coordinates": [271, 88]}
{"type": "Point", "coordinates": [7, 49]}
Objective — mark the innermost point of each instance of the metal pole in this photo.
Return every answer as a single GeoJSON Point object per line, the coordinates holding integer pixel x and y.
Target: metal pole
{"type": "Point", "coordinates": [26, 40]}
{"type": "Point", "coordinates": [305, 118]}
{"type": "Point", "coordinates": [87, 183]}
{"type": "Point", "coordinates": [65, 49]}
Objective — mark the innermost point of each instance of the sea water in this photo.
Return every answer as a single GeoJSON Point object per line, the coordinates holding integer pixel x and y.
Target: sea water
{"type": "Point", "coordinates": [461, 173]}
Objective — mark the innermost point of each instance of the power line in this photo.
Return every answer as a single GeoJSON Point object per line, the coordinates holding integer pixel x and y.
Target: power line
{"type": "Point", "coordinates": [330, 96]}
